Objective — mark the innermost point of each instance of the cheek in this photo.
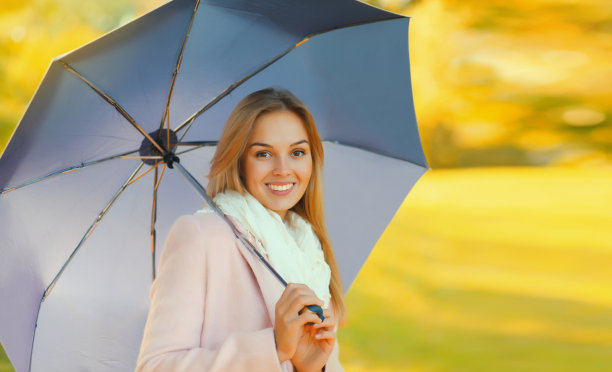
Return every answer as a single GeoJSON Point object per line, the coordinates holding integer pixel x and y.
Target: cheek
{"type": "Point", "coordinates": [253, 172]}
{"type": "Point", "coordinates": [247, 173]}
{"type": "Point", "coordinates": [305, 170]}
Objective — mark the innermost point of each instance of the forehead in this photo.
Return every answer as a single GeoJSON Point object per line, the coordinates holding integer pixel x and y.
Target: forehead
{"type": "Point", "coordinates": [278, 128]}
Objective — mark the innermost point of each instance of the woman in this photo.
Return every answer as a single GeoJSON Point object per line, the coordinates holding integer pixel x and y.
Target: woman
{"type": "Point", "coordinates": [214, 306]}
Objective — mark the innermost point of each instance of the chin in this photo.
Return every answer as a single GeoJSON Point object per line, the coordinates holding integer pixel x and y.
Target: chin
{"type": "Point", "coordinates": [279, 208]}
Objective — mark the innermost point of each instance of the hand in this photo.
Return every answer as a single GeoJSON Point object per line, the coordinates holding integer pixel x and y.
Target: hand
{"type": "Point", "coordinates": [289, 325]}
{"type": "Point", "coordinates": [315, 345]}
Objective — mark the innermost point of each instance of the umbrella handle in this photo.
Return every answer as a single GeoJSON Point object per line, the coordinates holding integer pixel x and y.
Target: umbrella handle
{"type": "Point", "coordinates": [314, 309]}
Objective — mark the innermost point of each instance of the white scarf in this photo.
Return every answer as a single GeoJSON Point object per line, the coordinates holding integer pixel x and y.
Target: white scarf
{"type": "Point", "coordinates": [291, 247]}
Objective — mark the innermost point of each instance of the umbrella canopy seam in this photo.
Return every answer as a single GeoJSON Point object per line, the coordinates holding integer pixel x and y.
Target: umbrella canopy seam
{"type": "Point", "coordinates": [115, 104]}
{"type": "Point", "coordinates": [189, 121]}
{"type": "Point", "coordinates": [65, 171]}
{"type": "Point", "coordinates": [86, 236]}
{"type": "Point", "coordinates": [388, 14]}
{"type": "Point", "coordinates": [196, 145]}
{"type": "Point", "coordinates": [92, 227]}
{"type": "Point", "coordinates": [166, 115]}
{"type": "Point", "coordinates": [364, 148]}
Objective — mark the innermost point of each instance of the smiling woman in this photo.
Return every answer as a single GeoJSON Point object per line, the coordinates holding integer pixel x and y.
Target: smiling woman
{"type": "Point", "coordinates": [277, 165]}
{"type": "Point", "coordinates": [266, 177]}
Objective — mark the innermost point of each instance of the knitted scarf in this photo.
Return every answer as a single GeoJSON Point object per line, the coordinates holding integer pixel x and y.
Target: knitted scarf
{"type": "Point", "coordinates": [290, 246]}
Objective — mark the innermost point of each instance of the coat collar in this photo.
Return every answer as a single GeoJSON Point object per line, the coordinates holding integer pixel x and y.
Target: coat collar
{"type": "Point", "coordinates": [271, 288]}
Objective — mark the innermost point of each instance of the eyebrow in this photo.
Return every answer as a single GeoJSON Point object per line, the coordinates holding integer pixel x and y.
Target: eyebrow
{"type": "Point", "coordinates": [270, 146]}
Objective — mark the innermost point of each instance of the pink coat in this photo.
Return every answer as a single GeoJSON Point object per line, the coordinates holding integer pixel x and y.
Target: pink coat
{"type": "Point", "coordinates": [212, 305]}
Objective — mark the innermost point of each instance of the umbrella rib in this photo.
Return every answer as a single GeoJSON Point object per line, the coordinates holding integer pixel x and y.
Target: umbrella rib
{"type": "Point", "coordinates": [156, 184]}
{"type": "Point", "coordinates": [202, 191]}
{"type": "Point", "coordinates": [91, 229]}
{"type": "Point", "coordinates": [363, 148]}
{"type": "Point", "coordinates": [176, 70]}
{"type": "Point", "coordinates": [352, 25]}
{"type": "Point", "coordinates": [189, 150]}
{"type": "Point", "coordinates": [229, 89]}
{"type": "Point", "coordinates": [145, 172]}
{"type": "Point", "coordinates": [116, 105]}
{"type": "Point", "coordinates": [143, 157]}
{"type": "Point", "coordinates": [187, 123]}
{"type": "Point", "coordinates": [67, 170]}
{"type": "Point", "coordinates": [198, 143]}
{"type": "Point", "coordinates": [153, 222]}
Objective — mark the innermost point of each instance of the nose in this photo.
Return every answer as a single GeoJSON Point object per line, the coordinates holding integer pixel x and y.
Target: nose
{"type": "Point", "coordinates": [281, 167]}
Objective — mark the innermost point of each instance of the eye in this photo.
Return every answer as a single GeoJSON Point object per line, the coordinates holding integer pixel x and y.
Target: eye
{"type": "Point", "coordinates": [262, 154]}
{"type": "Point", "coordinates": [298, 153]}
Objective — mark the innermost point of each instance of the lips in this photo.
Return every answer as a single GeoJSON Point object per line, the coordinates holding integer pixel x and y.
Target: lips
{"type": "Point", "coordinates": [280, 188]}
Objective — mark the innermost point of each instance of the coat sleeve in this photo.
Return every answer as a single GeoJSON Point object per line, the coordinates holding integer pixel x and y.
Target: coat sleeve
{"type": "Point", "coordinates": [172, 334]}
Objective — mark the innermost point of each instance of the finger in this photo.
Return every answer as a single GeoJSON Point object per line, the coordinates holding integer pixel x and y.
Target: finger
{"type": "Point", "coordinates": [325, 325]}
{"type": "Point", "coordinates": [294, 303]}
{"type": "Point", "coordinates": [305, 318]}
{"type": "Point", "coordinates": [326, 335]}
{"type": "Point", "coordinates": [304, 291]}
{"type": "Point", "coordinates": [293, 289]}
{"type": "Point", "coordinates": [302, 300]}
{"type": "Point", "coordinates": [297, 289]}
{"type": "Point", "coordinates": [328, 314]}
{"type": "Point", "coordinates": [329, 321]}
{"type": "Point", "coordinates": [297, 285]}
{"type": "Point", "coordinates": [287, 294]}
{"type": "Point", "coordinates": [288, 297]}
{"type": "Point", "coordinates": [295, 319]}
{"type": "Point", "coordinates": [313, 309]}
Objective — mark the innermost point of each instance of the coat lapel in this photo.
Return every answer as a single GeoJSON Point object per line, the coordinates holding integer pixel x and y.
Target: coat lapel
{"type": "Point", "coordinates": [271, 288]}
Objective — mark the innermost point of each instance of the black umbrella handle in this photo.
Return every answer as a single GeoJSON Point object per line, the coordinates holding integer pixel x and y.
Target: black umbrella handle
{"type": "Point", "coordinates": [313, 309]}
{"type": "Point", "coordinates": [200, 189]}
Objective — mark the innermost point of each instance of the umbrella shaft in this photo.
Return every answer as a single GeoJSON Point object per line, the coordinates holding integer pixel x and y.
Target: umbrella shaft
{"type": "Point", "coordinates": [202, 191]}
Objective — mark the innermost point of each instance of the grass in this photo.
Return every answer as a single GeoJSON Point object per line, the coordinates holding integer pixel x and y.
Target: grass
{"type": "Point", "coordinates": [504, 269]}
{"type": "Point", "coordinates": [501, 269]}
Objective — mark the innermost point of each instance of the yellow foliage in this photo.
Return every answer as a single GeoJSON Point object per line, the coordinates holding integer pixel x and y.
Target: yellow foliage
{"type": "Point", "coordinates": [481, 73]}
{"type": "Point", "coordinates": [522, 66]}
{"type": "Point", "coordinates": [33, 33]}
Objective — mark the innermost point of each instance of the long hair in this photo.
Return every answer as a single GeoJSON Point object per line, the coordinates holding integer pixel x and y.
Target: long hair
{"type": "Point", "coordinates": [225, 169]}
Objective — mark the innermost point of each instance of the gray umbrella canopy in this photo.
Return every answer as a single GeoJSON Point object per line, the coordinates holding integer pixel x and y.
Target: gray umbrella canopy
{"type": "Point", "coordinates": [86, 200]}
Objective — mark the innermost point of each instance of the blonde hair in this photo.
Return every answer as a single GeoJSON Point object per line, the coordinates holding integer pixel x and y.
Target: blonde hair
{"type": "Point", "coordinates": [226, 165]}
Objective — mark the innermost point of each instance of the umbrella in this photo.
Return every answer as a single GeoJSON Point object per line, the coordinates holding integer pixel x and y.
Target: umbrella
{"type": "Point", "coordinates": [89, 180]}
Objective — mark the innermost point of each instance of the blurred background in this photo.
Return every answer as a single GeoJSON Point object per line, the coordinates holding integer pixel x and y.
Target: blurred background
{"type": "Point", "coordinates": [500, 258]}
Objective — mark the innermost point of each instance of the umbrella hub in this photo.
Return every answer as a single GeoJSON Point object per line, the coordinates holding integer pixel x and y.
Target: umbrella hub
{"type": "Point", "coordinates": [167, 140]}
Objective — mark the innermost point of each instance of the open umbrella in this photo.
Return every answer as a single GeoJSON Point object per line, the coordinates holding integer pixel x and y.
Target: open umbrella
{"type": "Point", "coordinates": [90, 182]}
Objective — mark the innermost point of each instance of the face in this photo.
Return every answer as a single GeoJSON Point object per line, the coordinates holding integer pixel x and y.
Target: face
{"type": "Point", "coordinates": [277, 164]}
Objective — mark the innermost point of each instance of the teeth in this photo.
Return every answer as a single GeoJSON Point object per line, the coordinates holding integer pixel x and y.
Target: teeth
{"type": "Point", "coordinates": [280, 187]}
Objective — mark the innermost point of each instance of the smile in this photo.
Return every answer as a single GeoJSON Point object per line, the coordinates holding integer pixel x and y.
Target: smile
{"type": "Point", "coordinates": [280, 187]}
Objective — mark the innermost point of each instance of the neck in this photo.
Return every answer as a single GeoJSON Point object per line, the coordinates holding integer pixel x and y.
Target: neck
{"type": "Point", "coordinates": [281, 214]}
